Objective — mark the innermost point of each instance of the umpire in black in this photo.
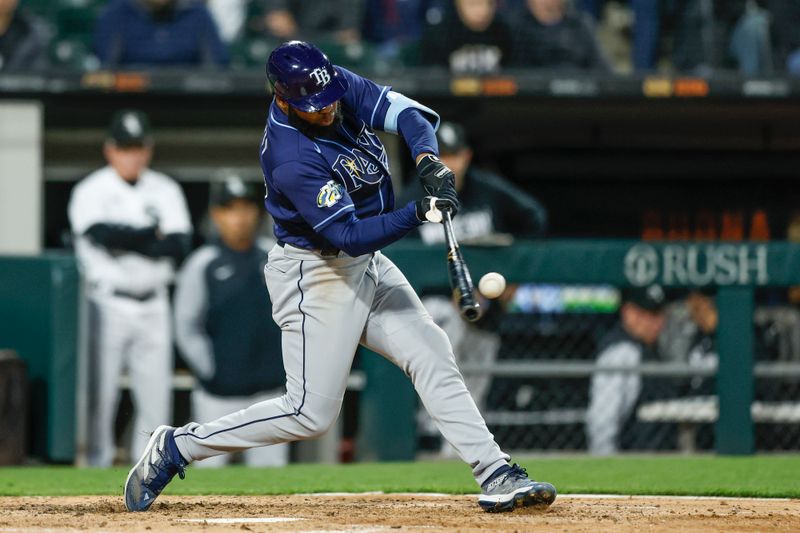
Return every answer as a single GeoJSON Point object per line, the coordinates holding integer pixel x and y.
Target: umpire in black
{"type": "Point", "coordinates": [223, 319]}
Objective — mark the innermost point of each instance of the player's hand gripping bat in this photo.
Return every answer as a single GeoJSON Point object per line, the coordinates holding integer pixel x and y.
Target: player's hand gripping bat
{"type": "Point", "coordinates": [460, 280]}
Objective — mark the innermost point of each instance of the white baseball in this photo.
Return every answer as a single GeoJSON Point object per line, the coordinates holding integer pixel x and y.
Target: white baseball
{"type": "Point", "coordinates": [492, 285]}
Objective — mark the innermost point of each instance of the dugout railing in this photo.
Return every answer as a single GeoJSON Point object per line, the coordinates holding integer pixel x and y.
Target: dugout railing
{"type": "Point", "coordinates": [687, 413]}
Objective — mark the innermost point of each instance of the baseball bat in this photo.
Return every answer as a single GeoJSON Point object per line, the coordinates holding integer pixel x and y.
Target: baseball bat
{"type": "Point", "coordinates": [460, 280]}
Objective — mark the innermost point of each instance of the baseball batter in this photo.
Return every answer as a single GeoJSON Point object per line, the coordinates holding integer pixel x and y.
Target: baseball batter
{"type": "Point", "coordinates": [330, 194]}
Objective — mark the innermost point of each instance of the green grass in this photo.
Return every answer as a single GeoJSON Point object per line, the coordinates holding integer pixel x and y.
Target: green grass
{"type": "Point", "coordinates": [766, 476]}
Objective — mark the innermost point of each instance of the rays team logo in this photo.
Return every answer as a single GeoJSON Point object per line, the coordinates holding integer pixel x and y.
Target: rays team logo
{"type": "Point", "coordinates": [365, 164]}
{"type": "Point", "coordinates": [321, 76]}
{"type": "Point", "coordinates": [350, 166]}
{"type": "Point", "coordinates": [357, 168]}
{"type": "Point", "coordinates": [329, 194]}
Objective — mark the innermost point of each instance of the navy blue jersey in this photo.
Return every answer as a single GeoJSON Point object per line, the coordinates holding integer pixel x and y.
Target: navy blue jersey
{"type": "Point", "coordinates": [314, 183]}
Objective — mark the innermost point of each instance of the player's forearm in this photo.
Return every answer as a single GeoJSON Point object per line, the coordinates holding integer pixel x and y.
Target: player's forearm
{"type": "Point", "coordinates": [121, 237]}
{"type": "Point", "coordinates": [175, 246]}
{"type": "Point", "coordinates": [534, 216]}
{"type": "Point", "coordinates": [358, 237]}
{"type": "Point", "coordinates": [417, 132]}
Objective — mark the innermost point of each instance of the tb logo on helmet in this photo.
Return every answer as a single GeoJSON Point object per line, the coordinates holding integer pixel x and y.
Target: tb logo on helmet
{"type": "Point", "coordinates": [321, 76]}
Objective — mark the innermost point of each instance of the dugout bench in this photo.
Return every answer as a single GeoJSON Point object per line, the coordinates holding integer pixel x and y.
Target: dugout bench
{"type": "Point", "coordinates": [687, 413]}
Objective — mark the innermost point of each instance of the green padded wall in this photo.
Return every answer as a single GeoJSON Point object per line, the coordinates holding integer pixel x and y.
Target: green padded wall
{"type": "Point", "coordinates": [39, 320]}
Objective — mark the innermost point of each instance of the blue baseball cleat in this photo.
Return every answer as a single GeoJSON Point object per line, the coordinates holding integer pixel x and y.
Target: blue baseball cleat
{"type": "Point", "coordinates": [510, 487]}
{"type": "Point", "coordinates": [156, 468]}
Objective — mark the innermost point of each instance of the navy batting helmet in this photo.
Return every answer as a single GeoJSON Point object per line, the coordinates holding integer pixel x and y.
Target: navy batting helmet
{"type": "Point", "coordinates": [303, 76]}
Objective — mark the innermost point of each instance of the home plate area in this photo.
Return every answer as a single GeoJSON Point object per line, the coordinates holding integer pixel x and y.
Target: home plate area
{"type": "Point", "coordinates": [373, 512]}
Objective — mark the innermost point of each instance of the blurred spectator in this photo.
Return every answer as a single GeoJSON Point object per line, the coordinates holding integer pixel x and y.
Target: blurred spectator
{"type": "Point", "coordinates": [223, 322]}
{"type": "Point", "coordinates": [229, 16]}
{"type": "Point", "coordinates": [714, 33]}
{"type": "Point", "coordinates": [493, 212]}
{"type": "Point", "coordinates": [471, 38]}
{"type": "Point", "coordinates": [23, 39]}
{"type": "Point", "coordinates": [646, 29]}
{"type": "Point", "coordinates": [689, 337]}
{"type": "Point", "coordinates": [690, 327]}
{"type": "Point", "coordinates": [337, 21]}
{"type": "Point", "coordinates": [613, 394]}
{"type": "Point", "coordinates": [785, 15]}
{"type": "Point", "coordinates": [549, 35]}
{"type": "Point", "coordinates": [158, 32]}
{"type": "Point", "coordinates": [394, 25]}
{"type": "Point", "coordinates": [131, 227]}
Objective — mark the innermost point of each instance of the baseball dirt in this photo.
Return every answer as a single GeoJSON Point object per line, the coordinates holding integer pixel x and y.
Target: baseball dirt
{"type": "Point", "coordinates": [378, 513]}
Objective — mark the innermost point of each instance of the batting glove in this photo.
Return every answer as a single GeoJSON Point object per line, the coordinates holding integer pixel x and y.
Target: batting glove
{"type": "Point", "coordinates": [448, 192]}
{"type": "Point", "coordinates": [435, 175]}
{"type": "Point", "coordinates": [429, 209]}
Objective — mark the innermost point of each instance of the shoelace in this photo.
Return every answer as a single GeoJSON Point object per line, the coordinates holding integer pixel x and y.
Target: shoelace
{"type": "Point", "coordinates": [168, 468]}
{"type": "Point", "coordinates": [518, 472]}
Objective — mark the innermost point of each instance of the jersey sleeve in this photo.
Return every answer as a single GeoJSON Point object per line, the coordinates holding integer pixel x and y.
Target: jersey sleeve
{"type": "Point", "coordinates": [190, 310]}
{"type": "Point", "coordinates": [378, 105]}
{"type": "Point", "coordinates": [522, 214]}
{"type": "Point", "coordinates": [357, 237]}
{"type": "Point", "coordinates": [174, 215]}
{"type": "Point", "coordinates": [84, 210]}
{"type": "Point", "coordinates": [313, 191]}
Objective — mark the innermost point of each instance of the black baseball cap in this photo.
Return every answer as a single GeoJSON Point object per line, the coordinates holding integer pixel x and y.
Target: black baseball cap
{"type": "Point", "coordinates": [130, 127]}
{"type": "Point", "coordinates": [233, 187]}
{"type": "Point", "coordinates": [650, 298]}
{"type": "Point", "coordinates": [451, 138]}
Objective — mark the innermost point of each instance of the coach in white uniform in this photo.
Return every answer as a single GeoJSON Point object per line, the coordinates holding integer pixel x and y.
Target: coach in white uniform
{"type": "Point", "coordinates": [131, 227]}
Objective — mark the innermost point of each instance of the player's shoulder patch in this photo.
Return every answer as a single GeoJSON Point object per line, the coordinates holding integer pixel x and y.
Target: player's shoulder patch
{"type": "Point", "coordinates": [329, 194]}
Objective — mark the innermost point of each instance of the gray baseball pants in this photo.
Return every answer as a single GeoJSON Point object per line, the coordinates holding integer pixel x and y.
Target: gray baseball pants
{"type": "Point", "coordinates": [326, 307]}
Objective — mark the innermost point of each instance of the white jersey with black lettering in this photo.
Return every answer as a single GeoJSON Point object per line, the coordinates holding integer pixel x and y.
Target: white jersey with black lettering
{"type": "Point", "coordinates": [104, 197]}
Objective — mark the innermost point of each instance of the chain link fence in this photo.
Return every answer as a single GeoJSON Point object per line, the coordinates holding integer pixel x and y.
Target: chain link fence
{"type": "Point", "coordinates": [559, 368]}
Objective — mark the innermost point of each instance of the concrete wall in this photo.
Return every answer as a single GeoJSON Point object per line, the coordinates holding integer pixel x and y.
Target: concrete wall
{"type": "Point", "coordinates": [21, 198]}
